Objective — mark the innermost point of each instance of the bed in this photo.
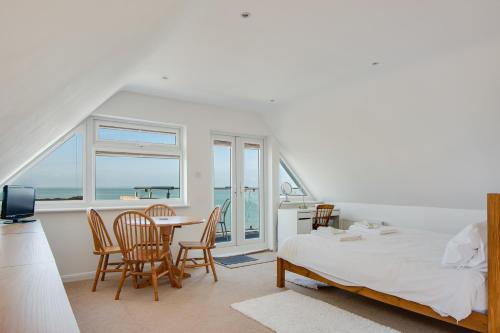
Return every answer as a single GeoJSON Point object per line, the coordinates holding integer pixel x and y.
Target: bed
{"type": "Point", "coordinates": [403, 269]}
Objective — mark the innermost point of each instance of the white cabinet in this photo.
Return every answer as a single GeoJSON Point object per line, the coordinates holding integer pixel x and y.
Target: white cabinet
{"type": "Point", "coordinates": [293, 221]}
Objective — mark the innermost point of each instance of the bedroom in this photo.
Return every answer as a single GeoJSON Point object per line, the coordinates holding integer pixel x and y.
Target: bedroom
{"type": "Point", "coordinates": [387, 110]}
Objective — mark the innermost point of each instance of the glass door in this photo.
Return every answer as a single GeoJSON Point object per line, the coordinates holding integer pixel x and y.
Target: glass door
{"type": "Point", "coordinates": [238, 179]}
{"type": "Point", "coordinates": [249, 154]}
{"type": "Point", "coordinates": [223, 152]}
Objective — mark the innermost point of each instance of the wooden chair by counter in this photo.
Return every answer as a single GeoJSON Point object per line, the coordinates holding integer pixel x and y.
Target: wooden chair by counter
{"type": "Point", "coordinates": [206, 244]}
{"type": "Point", "coordinates": [103, 246]}
{"type": "Point", "coordinates": [139, 240]}
{"type": "Point", "coordinates": [161, 210]}
{"type": "Point", "coordinates": [322, 217]}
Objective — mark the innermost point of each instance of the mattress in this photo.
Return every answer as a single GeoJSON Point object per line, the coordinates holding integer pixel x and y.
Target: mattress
{"type": "Point", "coordinates": [406, 264]}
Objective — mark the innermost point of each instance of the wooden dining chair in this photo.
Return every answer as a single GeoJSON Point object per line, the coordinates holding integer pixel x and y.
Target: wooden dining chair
{"type": "Point", "coordinates": [322, 217]}
{"type": "Point", "coordinates": [206, 244]}
{"type": "Point", "coordinates": [222, 218]}
{"type": "Point", "coordinates": [161, 210]}
{"type": "Point", "coordinates": [103, 247]}
{"type": "Point", "coordinates": [139, 241]}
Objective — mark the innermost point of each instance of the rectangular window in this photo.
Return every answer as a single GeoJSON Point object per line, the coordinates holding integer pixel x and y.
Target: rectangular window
{"type": "Point", "coordinates": [135, 135]}
{"type": "Point", "coordinates": [136, 161]}
{"type": "Point", "coordinates": [121, 176]}
{"type": "Point", "coordinates": [287, 176]}
{"type": "Point", "coordinates": [104, 162]}
{"type": "Point", "coordinates": [59, 175]}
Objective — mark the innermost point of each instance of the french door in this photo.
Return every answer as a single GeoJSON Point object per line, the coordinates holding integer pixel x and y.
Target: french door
{"type": "Point", "coordinates": [238, 189]}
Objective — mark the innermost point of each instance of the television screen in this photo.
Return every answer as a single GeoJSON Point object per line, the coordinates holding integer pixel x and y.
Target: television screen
{"type": "Point", "coordinates": [18, 202]}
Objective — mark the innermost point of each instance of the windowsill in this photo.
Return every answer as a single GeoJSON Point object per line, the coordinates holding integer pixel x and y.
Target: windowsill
{"type": "Point", "coordinates": [83, 209]}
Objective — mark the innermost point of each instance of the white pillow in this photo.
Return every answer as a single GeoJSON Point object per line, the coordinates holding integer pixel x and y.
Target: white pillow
{"type": "Point", "coordinates": [468, 248]}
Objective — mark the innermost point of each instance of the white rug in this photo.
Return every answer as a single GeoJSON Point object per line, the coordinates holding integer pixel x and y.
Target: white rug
{"type": "Point", "coordinates": [291, 312]}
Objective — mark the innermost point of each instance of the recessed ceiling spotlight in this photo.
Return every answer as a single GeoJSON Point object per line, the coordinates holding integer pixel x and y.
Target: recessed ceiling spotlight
{"type": "Point", "coordinates": [164, 77]}
{"type": "Point", "coordinates": [375, 63]}
{"type": "Point", "coordinates": [245, 14]}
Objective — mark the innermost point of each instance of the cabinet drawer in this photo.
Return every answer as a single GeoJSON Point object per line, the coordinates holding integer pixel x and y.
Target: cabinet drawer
{"type": "Point", "coordinates": [304, 215]}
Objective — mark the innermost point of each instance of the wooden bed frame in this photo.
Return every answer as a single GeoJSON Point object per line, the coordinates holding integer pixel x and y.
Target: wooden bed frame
{"type": "Point", "coordinates": [476, 321]}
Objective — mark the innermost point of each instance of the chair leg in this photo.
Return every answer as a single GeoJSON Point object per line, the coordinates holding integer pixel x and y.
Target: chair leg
{"type": "Point", "coordinates": [122, 279]}
{"type": "Point", "coordinates": [212, 264]}
{"type": "Point", "coordinates": [154, 280]}
{"type": "Point", "coordinates": [97, 272]}
{"type": "Point", "coordinates": [135, 269]}
{"type": "Point", "coordinates": [106, 258]}
{"type": "Point", "coordinates": [181, 274]}
{"type": "Point", "coordinates": [178, 257]}
{"type": "Point", "coordinates": [206, 260]}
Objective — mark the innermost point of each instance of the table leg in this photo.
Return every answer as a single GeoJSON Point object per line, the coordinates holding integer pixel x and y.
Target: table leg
{"type": "Point", "coordinates": [166, 233]}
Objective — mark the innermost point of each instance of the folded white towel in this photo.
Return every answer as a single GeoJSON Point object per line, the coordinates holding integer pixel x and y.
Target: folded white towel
{"type": "Point", "coordinates": [350, 238]}
{"type": "Point", "coordinates": [367, 225]}
{"type": "Point", "coordinates": [388, 231]}
{"type": "Point", "coordinates": [337, 231]}
{"type": "Point", "coordinates": [378, 231]}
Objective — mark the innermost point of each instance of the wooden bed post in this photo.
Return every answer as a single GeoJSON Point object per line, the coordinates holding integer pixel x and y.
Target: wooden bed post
{"type": "Point", "coordinates": [493, 263]}
{"type": "Point", "coordinates": [280, 273]}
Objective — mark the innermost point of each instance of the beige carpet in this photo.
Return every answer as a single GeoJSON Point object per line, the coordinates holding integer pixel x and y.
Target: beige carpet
{"type": "Point", "coordinates": [204, 306]}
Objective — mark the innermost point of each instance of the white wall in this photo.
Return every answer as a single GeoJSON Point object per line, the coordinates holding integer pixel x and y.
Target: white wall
{"type": "Point", "coordinates": [423, 136]}
{"type": "Point", "coordinates": [68, 232]}
{"type": "Point", "coordinates": [444, 220]}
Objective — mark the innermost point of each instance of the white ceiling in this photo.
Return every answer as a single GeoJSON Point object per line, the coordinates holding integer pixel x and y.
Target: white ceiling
{"type": "Point", "coordinates": [60, 60]}
{"type": "Point", "coordinates": [288, 49]}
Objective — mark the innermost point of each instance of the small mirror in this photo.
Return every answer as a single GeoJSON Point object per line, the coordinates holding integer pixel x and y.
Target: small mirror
{"type": "Point", "coordinates": [286, 189]}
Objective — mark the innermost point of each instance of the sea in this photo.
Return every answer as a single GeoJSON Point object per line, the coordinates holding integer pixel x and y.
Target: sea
{"type": "Point", "coordinates": [252, 206]}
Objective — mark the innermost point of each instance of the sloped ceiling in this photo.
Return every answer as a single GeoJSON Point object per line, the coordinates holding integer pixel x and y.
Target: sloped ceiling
{"type": "Point", "coordinates": [418, 128]}
{"type": "Point", "coordinates": [61, 59]}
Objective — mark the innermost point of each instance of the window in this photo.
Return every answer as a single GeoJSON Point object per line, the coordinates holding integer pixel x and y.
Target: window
{"type": "Point", "coordinates": [58, 175]}
{"type": "Point", "coordinates": [108, 133]}
{"type": "Point", "coordinates": [108, 162]}
{"type": "Point", "coordinates": [136, 161]}
{"type": "Point", "coordinates": [286, 175]}
{"type": "Point", "coordinates": [127, 133]}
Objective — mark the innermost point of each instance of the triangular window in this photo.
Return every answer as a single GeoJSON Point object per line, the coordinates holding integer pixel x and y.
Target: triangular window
{"type": "Point", "coordinates": [58, 174]}
{"type": "Point", "coordinates": [286, 175]}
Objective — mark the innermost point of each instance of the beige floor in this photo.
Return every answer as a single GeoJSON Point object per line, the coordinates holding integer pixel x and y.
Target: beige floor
{"type": "Point", "coordinates": [204, 306]}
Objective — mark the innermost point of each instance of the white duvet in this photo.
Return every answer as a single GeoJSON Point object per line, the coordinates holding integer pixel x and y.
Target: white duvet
{"type": "Point", "coordinates": [406, 264]}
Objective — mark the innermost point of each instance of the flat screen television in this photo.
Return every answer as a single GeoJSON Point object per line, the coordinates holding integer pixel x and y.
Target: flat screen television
{"type": "Point", "coordinates": [18, 202]}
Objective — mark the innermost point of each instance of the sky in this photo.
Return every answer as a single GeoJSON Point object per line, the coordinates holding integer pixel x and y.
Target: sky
{"type": "Point", "coordinates": [222, 166]}
{"type": "Point", "coordinates": [60, 168]}
{"type": "Point", "coordinates": [63, 168]}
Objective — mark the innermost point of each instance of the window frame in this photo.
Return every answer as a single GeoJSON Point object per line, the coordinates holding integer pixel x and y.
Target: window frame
{"type": "Point", "coordinates": [300, 184]}
{"type": "Point", "coordinates": [134, 148]}
{"type": "Point", "coordinates": [135, 126]}
{"type": "Point", "coordinates": [91, 144]}
{"type": "Point", "coordinates": [56, 204]}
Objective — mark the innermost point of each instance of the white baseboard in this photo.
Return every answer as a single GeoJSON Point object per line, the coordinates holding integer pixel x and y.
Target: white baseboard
{"type": "Point", "coordinates": [77, 276]}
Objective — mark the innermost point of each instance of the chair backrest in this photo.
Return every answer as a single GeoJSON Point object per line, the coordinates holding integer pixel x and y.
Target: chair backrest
{"type": "Point", "coordinates": [323, 214]}
{"type": "Point", "coordinates": [208, 236]}
{"type": "Point", "coordinates": [137, 236]}
{"type": "Point", "coordinates": [99, 232]}
{"type": "Point", "coordinates": [159, 210]}
{"type": "Point", "coordinates": [224, 209]}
